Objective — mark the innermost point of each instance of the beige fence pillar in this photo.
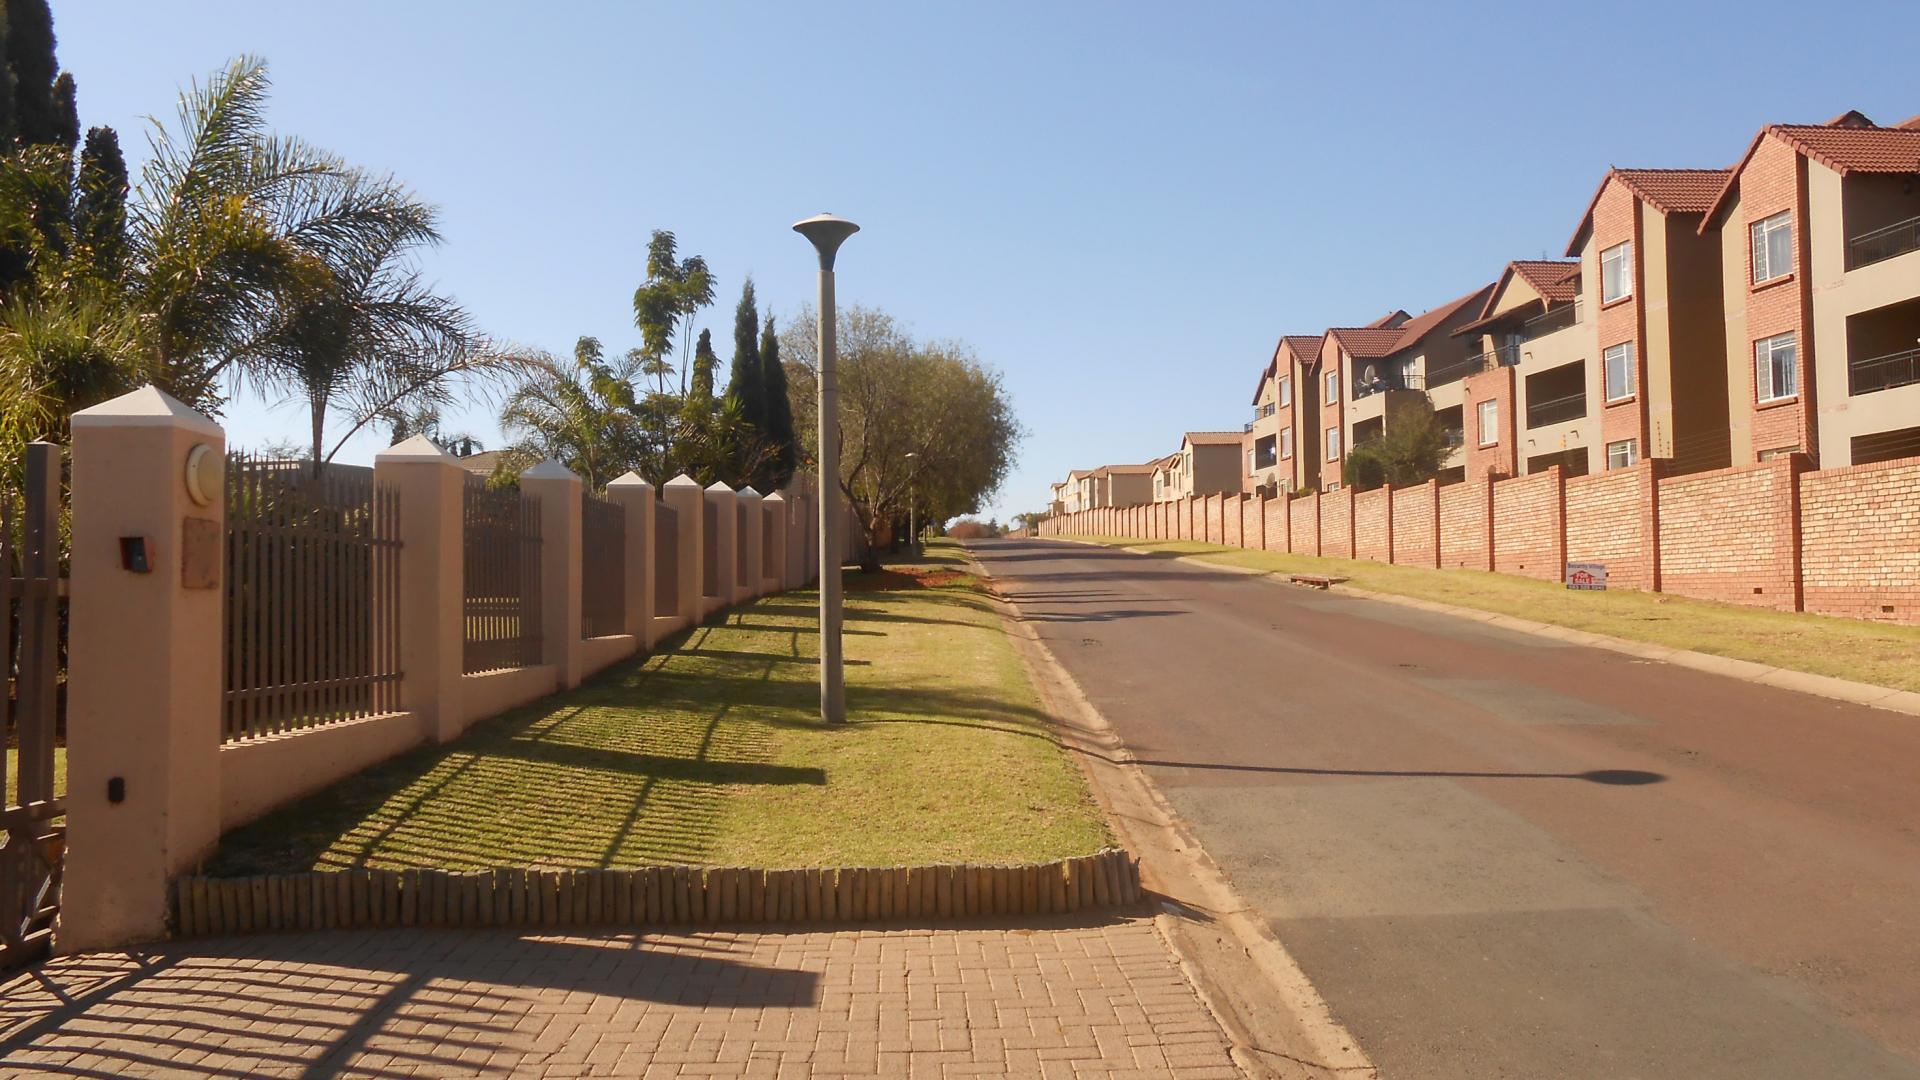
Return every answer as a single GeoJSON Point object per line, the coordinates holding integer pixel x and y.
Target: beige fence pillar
{"type": "Point", "coordinates": [719, 509]}
{"type": "Point", "coordinates": [430, 486]}
{"type": "Point", "coordinates": [775, 573]}
{"type": "Point", "coordinates": [143, 664]}
{"type": "Point", "coordinates": [689, 507]}
{"type": "Point", "coordinates": [558, 490]}
{"type": "Point", "coordinates": [634, 495]}
{"type": "Point", "coordinates": [746, 545]}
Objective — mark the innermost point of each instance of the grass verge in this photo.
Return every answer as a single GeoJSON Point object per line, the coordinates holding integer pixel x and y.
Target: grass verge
{"type": "Point", "coordinates": [1879, 653]}
{"type": "Point", "coordinates": [710, 752]}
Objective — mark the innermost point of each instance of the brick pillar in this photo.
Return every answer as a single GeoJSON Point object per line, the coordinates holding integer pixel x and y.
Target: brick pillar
{"type": "Point", "coordinates": [747, 584]}
{"type": "Point", "coordinates": [774, 572]}
{"type": "Point", "coordinates": [558, 490]}
{"type": "Point", "coordinates": [1286, 521]}
{"type": "Point", "coordinates": [1260, 522]}
{"type": "Point", "coordinates": [1559, 526]}
{"type": "Point", "coordinates": [431, 488]}
{"type": "Point", "coordinates": [144, 664]}
{"type": "Point", "coordinates": [1433, 503]}
{"type": "Point", "coordinates": [1650, 522]}
{"type": "Point", "coordinates": [1388, 488]}
{"type": "Point", "coordinates": [720, 546]}
{"type": "Point", "coordinates": [1487, 517]}
{"type": "Point", "coordinates": [1791, 466]}
{"type": "Point", "coordinates": [634, 495]}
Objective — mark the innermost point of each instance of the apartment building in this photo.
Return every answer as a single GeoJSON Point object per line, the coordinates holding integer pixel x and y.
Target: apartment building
{"type": "Point", "coordinates": [1208, 463]}
{"type": "Point", "coordinates": [1819, 230]}
{"type": "Point", "coordinates": [1056, 498]}
{"type": "Point", "coordinates": [1279, 442]}
{"type": "Point", "coordinates": [1122, 485]}
{"type": "Point", "coordinates": [1364, 375]}
{"type": "Point", "coordinates": [1522, 384]}
{"type": "Point", "coordinates": [1077, 491]}
{"type": "Point", "coordinates": [1164, 485]}
{"type": "Point", "coordinates": [1652, 278]}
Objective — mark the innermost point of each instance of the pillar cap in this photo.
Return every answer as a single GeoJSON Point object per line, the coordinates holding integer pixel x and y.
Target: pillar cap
{"type": "Point", "coordinates": [148, 406]}
{"type": "Point", "coordinates": [549, 470]}
{"type": "Point", "coordinates": [629, 479]}
{"type": "Point", "coordinates": [417, 448]}
{"type": "Point", "coordinates": [684, 481]}
{"type": "Point", "coordinates": [748, 492]}
{"type": "Point", "coordinates": [719, 486]}
{"type": "Point", "coordinates": [775, 497]}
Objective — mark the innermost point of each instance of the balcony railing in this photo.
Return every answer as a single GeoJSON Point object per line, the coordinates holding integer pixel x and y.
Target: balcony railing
{"type": "Point", "coordinates": [1883, 372]}
{"type": "Point", "coordinates": [1456, 438]}
{"type": "Point", "coordinates": [1504, 356]}
{"type": "Point", "coordinates": [1883, 243]}
{"type": "Point", "coordinates": [1551, 320]}
{"type": "Point", "coordinates": [1411, 380]}
{"type": "Point", "coordinates": [1556, 410]}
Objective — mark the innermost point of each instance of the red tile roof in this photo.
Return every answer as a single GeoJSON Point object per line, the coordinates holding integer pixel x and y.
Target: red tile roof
{"type": "Point", "coordinates": [1303, 345]}
{"type": "Point", "coordinates": [1911, 123]}
{"type": "Point", "coordinates": [1147, 468]}
{"type": "Point", "coordinates": [1557, 280]}
{"type": "Point", "coordinates": [1367, 340]}
{"type": "Point", "coordinates": [1670, 191]}
{"type": "Point", "coordinates": [1845, 148]}
{"type": "Point", "coordinates": [1214, 438]}
{"type": "Point", "coordinates": [1372, 342]}
{"type": "Point", "coordinates": [1391, 318]}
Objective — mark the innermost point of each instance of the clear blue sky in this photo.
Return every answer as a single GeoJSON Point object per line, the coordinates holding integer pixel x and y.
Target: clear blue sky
{"type": "Point", "coordinates": [1121, 206]}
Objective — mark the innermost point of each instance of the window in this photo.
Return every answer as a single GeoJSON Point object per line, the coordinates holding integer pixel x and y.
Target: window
{"type": "Point", "coordinates": [1616, 272]}
{"type": "Point", "coordinates": [1286, 442]}
{"type": "Point", "coordinates": [1333, 444]}
{"type": "Point", "coordinates": [1250, 463]}
{"type": "Point", "coordinates": [1489, 414]}
{"type": "Point", "coordinates": [1773, 247]}
{"type": "Point", "coordinates": [1623, 453]}
{"type": "Point", "coordinates": [1619, 366]}
{"type": "Point", "coordinates": [1286, 389]}
{"type": "Point", "coordinates": [1410, 372]}
{"type": "Point", "coordinates": [1775, 368]}
{"type": "Point", "coordinates": [1333, 386]}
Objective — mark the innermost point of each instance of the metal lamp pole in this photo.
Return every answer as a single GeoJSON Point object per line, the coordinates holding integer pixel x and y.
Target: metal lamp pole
{"type": "Point", "coordinates": [913, 530]}
{"type": "Point", "coordinates": [827, 233]}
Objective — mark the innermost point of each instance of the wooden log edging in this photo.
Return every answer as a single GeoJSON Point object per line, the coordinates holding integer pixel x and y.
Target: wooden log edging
{"type": "Point", "coordinates": [650, 896]}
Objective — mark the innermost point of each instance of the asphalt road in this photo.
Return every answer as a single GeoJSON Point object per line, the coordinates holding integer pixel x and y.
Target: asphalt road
{"type": "Point", "coordinates": [1498, 855]}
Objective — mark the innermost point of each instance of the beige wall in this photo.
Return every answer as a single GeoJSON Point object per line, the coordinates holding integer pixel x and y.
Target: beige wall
{"type": "Point", "coordinates": [1839, 293]}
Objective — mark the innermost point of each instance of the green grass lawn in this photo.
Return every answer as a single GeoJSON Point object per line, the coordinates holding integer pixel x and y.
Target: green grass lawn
{"type": "Point", "coordinates": [1869, 652]}
{"type": "Point", "coordinates": [711, 752]}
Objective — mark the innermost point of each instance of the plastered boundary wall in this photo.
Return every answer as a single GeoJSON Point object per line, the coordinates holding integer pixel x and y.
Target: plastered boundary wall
{"type": "Point", "coordinates": [1775, 535]}
{"type": "Point", "coordinates": [154, 786]}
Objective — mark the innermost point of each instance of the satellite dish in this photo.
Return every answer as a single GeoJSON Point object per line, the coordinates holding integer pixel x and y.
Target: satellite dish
{"type": "Point", "coordinates": [1370, 374]}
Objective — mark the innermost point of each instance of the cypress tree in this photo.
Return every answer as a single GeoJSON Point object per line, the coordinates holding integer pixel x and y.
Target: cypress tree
{"type": "Point", "coordinates": [30, 59]}
{"type": "Point", "coordinates": [705, 363]}
{"type": "Point", "coordinates": [66, 114]}
{"type": "Point", "coordinates": [744, 383]}
{"type": "Point", "coordinates": [779, 427]}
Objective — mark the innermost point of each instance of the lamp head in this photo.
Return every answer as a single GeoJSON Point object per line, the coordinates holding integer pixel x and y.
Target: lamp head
{"type": "Point", "coordinates": [826, 233]}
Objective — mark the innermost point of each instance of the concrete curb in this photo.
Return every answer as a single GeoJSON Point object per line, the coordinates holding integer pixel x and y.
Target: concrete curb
{"type": "Point", "coordinates": [1279, 1024]}
{"type": "Point", "coordinates": [1804, 682]}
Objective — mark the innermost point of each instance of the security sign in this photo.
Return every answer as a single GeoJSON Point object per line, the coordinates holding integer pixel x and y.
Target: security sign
{"type": "Point", "coordinates": [1586, 575]}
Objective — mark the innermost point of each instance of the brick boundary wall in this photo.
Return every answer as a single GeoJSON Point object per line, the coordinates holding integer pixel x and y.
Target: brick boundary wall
{"type": "Point", "coordinates": [1466, 539]}
{"type": "Point", "coordinates": [1304, 525]}
{"type": "Point", "coordinates": [1730, 534]}
{"type": "Point", "coordinates": [1611, 519]}
{"type": "Point", "coordinates": [1529, 526]}
{"type": "Point", "coordinates": [1860, 540]}
{"type": "Point", "coordinates": [1416, 525]}
{"type": "Point", "coordinates": [1373, 524]}
{"type": "Point", "coordinates": [1842, 541]}
{"type": "Point", "coordinates": [1336, 524]}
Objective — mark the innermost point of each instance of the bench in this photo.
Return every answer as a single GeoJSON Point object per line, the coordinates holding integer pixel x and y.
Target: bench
{"type": "Point", "coordinates": [1317, 581]}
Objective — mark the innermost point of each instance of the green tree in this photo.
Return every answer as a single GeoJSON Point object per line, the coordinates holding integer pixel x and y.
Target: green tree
{"type": "Point", "coordinates": [744, 381]}
{"type": "Point", "coordinates": [705, 364]}
{"type": "Point", "coordinates": [898, 396]}
{"type": "Point", "coordinates": [100, 204]}
{"type": "Point", "coordinates": [665, 305]}
{"type": "Point", "coordinates": [783, 450]}
{"type": "Point", "coordinates": [581, 415]}
{"type": "Point", "coordinates": [66, 113]}
{"type": "Point", "coordinates": [1408, 451]}
{"type": "Point", "coordinates": [31, 63]}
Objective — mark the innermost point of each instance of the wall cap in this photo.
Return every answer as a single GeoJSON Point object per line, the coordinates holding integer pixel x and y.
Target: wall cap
{"type": "Point", "coordinates": [417, 448]}
{"type": "Point", "coordinates": [148, 406]}
{"type": "Point", "coordinates": [629, 479]}
{"type": "Point", "coordinates": [684, 481]}
{"type": "Point", "coordinates": [549, 470]}
{"type": "Point", "coordinates": [719, 487]}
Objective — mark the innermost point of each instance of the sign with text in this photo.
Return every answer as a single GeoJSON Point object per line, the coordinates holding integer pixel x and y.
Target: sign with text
{"type": "Point", "coordinates": [1586, 575]}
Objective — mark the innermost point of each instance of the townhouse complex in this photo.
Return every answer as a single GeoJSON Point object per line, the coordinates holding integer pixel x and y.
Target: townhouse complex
{"type": "Point", "coordinates": [1715, 391]}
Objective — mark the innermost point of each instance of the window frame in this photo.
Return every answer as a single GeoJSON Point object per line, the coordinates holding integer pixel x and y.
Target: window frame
{"type": "Point", "coordinates": [1632, 454]}
{"type": "Point", "coordinates": [1625, 248]}
{"type": "Point", "coordinates": [1333, 387]}
{"type": "Point", "coordinates": [1772, 350]}
{"type": "Point", "coordinates": [1626, 350]}
{"type": "Point", "coordinates": [1760, 235]}
{"type": "Point", "coordinates": [1286, 443]}
{"type": "Point", "coordinates": [1333, 443]}
{"type": "Point", "coordinates": [1480, 414]}
{"type": "Point", "coordinates": [1284, 390]}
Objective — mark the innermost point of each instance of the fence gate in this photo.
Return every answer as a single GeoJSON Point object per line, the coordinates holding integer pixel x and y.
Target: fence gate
{"type": "Point", "coordinates": [30, 657]}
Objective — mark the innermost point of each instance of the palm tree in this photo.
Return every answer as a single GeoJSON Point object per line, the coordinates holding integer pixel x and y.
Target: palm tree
{"type": "Point", "coordinates": [583, 416]}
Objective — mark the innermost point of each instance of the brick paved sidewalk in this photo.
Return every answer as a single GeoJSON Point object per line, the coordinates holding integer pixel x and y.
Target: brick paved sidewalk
{"type": "Point", "coordinates": [1070, 1001]}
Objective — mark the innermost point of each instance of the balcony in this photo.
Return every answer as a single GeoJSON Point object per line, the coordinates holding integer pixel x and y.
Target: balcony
{"type": "Point", "coordinates": [1883, 372]}
{"type": "Point", "coordinates": [1383, 383]}
{"type": "Point", "coordinates": [1883, 243]}
{"type": "Point", "coordinates": [1504, 356]}
{"type": "Point", "coordinates": [1551, 320]}
{"type": "Point", "coordinates": [1557, 410]}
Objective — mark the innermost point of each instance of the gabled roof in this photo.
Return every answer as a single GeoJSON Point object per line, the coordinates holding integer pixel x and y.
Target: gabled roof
{"type": "Point", "coordinates": [1670, 191]}
{"type": "Point", "coordinates": [1375, 342]}
{"type": "Point", "coordinates": [1078, 474]}
{"type": "Point", "coordinates": [1556, 280]}
{"type": "Point", "coordinates": [1844, 146]}
{"type": "Point", "coordinates": [1128, 470]}
{"type": "Point", "coordinates": [1366, 341]}
{"type": "Point", "coordinates": [1391, 318]}
{"type": "Point", "coordinates": [1304, 347]}
{"type": "Point", "coordinates": [1214, 438]}
{"type": "Point", "coordinates": [1911, 123]}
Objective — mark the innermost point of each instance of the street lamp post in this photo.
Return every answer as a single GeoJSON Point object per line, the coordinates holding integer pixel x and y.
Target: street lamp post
{"type": "Point", "coordinates": [827, 233]}
{"type": "Point", "coordinates": [913, 529]}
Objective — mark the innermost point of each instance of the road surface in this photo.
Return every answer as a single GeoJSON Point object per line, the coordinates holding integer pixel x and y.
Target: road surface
{"type": "Point", "coordinates": [1500, 855]}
